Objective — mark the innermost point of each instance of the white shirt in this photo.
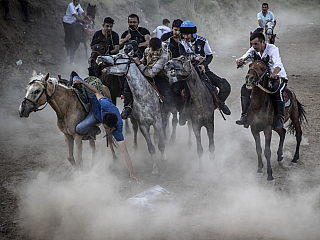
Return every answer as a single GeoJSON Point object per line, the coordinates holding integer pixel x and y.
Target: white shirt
{"type": "Point", "coordinates": [197, 45]}
{"type": "Point", "coordinates": [71, 10]}
{"type": "Point", "coordinates": [274, 58]}
{"type": "Point", "coordinates": [160, 30]}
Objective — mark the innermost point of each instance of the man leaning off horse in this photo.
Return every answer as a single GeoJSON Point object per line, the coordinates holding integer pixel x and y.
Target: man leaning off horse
{"type": "Point", "coordinates": [268, 53]}
{"type": "Point", "coordinates": [198, 49]}
{"type": "Point", "coordinates": [151, 66]}
{"type": "Point", "coordinates": [105, 112]}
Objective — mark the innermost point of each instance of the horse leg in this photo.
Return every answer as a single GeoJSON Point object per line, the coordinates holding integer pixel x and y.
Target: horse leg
{"type": "Point", "coordinates": [70, 146]}
{"type": "Point", "coordinates": [189, 123]}
{"type": "Point", "coordinates": [78, 140]}
{"type": "Point", "coordinates": [210, 133]}
{"type": "Point", "coordinates": [174, 126]}
{"type": "Point", "coordinates": [145, 132]}
{"type": "Point", "coordinates": [282, 135]}
{"type": "Point", "coordinates": [256, 136]}
{"type": "Point", "coordinates": [93, 151]}
{"type": "Point", "coordinates": [126, 126]}
{"type": "Point", "coordinates": [297, 127]}
{"type": "Point", "coordinates": [161, 141]}
{"type": "Point", "coordinates": [165, 120]}
{"type": "Point", "coordinates": [85, 48]}
{"type": "Point", "coordinates": [267, 152]}
{"type": "Point", "coordinates": [135, 133]}
{"type": "Point", "coordinates": [197, 133]}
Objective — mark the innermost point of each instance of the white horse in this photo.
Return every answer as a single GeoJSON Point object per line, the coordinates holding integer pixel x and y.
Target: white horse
{"type": "Point", "coordinates": [146, 109]}
{"type": "Point", "coordinates": [270, 37]}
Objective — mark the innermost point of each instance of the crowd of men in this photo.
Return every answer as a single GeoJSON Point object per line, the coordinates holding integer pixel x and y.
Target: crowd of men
{"type": "Point", "coordinates": [183, 41]}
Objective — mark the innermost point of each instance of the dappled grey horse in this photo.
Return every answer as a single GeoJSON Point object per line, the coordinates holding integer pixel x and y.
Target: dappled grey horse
{"type": "Point", "coordinates": [201, 105]}
{"type": "Point", "coordinates": [146, 109]}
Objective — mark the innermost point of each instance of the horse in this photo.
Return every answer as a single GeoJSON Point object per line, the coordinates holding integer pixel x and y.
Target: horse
{"type": "Point", "coordinates": [270, 37]}
{"type": "Point", "coordinates": [261, 116]}
{"type": "Point", "coordinates": [42, 90]}
{"type": "Point", "coordinates": [83, 31]}
{"type": "Point", "coordinates": [201, 107]}
{"type": "Point", "coordinates": [146, 110]}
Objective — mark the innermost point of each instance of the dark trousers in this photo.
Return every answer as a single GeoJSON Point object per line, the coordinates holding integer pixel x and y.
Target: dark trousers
{"type": "Point", "coordinates": [68, 37]}
{"type": "Point", "coordinates": [221, 83]}
{"type": "Point", "coordinates": [24, 5]}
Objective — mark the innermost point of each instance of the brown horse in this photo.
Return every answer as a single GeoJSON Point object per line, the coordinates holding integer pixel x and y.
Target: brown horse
{"type": "Point", "coordinates": [261, 116]}
{"type": "Point", "coordinates": [43, 90]}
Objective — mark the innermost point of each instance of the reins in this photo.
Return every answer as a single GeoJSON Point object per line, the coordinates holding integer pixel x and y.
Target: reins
{"type": "Point", "coordinates": [49, 98]}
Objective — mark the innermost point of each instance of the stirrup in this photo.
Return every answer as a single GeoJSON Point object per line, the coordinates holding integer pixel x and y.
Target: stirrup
{"type": "Point", "coordinates": [126, 112]}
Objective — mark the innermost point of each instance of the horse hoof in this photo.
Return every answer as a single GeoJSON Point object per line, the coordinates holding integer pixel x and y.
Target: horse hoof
{"type": "Point", "coordinates": [260, 175]}
{"type": "Point", "coordinates": [212, 156]}
{"type": "Point", "coordinates": [271, 183]}
{"type": "Point", "coordinates": [164, 157]}
{"type": "Point", "coordinates": [281, 162]}
{"type": "Point", "coordinates": [155, 171]}
{"type": "Point", "coordinates": [293, 164]}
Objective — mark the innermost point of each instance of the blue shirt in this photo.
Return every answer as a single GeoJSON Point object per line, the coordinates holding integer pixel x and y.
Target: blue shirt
{"type": "Point", "coordinates": [269, 16]}
{"type": "Point", "coordinates": [103, 106]}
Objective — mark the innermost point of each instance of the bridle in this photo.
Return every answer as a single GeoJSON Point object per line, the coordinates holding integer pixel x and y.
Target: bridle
{"type": "Point", "coordinates": [257, 83]}
{"type": "Point", "coordinates": [120, 56]}
{"type": "Point", "coordinates": [183, 67]}
{"type": "Point", "coordinates": [44, 91]}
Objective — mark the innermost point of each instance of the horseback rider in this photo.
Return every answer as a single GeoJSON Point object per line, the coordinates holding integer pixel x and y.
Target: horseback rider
{"type": "Point", "coordinates": [107, 35]}
{"type": "Point", "coordinates": [268, 53]}
{"type": "Point", "coordinates": [134, 32]}
{"type": "Point", "coordinates": [263, 17]}
{"type": "Point", "coordinates": [74, 13]}
{"type": "Point", "coordinates": [175, 38]}
{"type": "Point", "coordinates": [164, 28]}
{"type": "Point", "coordinates": [198, 49]}
{"type": "Point", "coordinates": [151, 66]}
{"type": "Point", "coordinates": [105, 112]}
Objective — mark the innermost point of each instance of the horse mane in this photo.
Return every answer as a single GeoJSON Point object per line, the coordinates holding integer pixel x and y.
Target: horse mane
{"type": "Point", "coordinates": [54, 81]}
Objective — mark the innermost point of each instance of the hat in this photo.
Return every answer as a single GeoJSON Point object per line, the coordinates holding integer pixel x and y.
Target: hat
{"type": "Point", "coordinates": [188, 27]}
{"type": "Point", "coordinates": [165, 21]}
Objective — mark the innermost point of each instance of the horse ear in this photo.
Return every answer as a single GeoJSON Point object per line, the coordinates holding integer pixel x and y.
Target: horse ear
{"type": "Point", "coordinates": [45, 78]}
{"type": "Point", "coordinates": [131, 53]}
{"type": "Point", "coordinates": [89, 5]}
{"type": "Point", "coordinates": [34, 73]}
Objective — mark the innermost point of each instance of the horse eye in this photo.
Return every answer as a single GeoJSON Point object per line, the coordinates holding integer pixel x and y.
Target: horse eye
{"type": "Point", "coordinates": [37, 91]}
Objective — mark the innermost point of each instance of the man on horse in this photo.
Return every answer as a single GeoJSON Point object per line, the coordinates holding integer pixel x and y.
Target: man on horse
{"type": "Point", "coordinates": [269, 54]}
{"type": "Point", "coordinates": [105, 112]}
{"type": "Point", "coordinates": [175, 38]}
{"type": "Point", "coordinates": [139, 34]}
{"type": "Point", "coordinates": [74, 13]}
{"type": "Point", "coordinates": [151, 66]}
{"type": "Point", "coordinates": [105, 35]}
{"type": "Point", "coordinates": [263, 17]}
{"type": "Point", "coordinates": [198, 49]}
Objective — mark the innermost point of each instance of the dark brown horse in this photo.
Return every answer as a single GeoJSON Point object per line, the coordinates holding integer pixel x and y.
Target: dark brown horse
{"type": "Point", "coordinates": [261, 116]}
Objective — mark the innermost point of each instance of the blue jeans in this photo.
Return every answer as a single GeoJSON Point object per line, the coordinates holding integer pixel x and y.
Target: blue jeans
{"type": "Point", "coordinates": [90, 121]}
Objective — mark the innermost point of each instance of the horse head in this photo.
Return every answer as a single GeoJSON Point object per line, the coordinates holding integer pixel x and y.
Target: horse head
{"type": "Point", "coordinates": [269, 27]}
{"type": "Point", "coordinates": [91, 11]}
{"type": "Point", "coordinates": [37, 94]}
{"type": "Point", "coordinates": [98, 47]}
{"type": "Point", "coordinates": [257, 71]}
{"type": "Point", "coordinates": [131, 45]}
{"type": "Point", "coordinates": [180, 67]}
{"type": "Point", "coordinates": [116, 64]}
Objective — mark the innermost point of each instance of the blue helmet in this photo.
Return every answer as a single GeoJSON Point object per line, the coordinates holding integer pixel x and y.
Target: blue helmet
{"type": "Point", "coordinates": [188, 27]}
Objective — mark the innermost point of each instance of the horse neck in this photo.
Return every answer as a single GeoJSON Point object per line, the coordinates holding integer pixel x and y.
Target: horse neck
{"type": "Point", "coordinates": [61, 100]}
{"type": "Point", "coordinates": [200, 94]}
{"type": "Point", "coordinates": [258, 96]}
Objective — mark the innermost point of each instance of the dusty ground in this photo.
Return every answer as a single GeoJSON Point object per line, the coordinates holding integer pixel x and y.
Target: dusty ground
{"type": "Point", "coordinates": [43, 198]}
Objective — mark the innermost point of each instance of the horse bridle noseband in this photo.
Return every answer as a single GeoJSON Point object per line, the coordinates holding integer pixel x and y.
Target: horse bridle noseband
{"type": "Point", "coordinates": [260, 78]}
{"type": "Point", "coordinates": [35, 102]}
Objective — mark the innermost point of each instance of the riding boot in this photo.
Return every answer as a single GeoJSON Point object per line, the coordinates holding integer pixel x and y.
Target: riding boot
{"type": "Point", "coordinates": [72, 75]}
{"type": "Point", "coordinates": [127, 105]}
{"type": "Point", "coordinates": [280, 114]}
{"type": "Point", "coordinates": [92, 133]}
{"type": "Point", "coordinates": [222, 106]}
{"type": "Point", "coordinates": [245, 103]}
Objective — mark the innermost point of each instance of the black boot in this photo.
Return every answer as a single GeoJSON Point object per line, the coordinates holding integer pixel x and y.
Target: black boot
{"type": "Point", "coordinates": [222, 106]}
{"type": "Point", "coordinates": [127, 102]}
{"type": "Point", "coordinates": [72, 75]}
{"type": "Point", "coordinates": [280, 114]}
{"type": "Point", "coordinates": [245, 103]}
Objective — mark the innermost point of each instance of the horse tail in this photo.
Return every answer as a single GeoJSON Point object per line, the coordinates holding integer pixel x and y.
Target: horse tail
{"type": "Point", "coordinates": [302, 117]}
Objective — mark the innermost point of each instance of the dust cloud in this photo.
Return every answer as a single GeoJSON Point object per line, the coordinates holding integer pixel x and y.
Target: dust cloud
{"type": "Point", "coordinates": [226, 201]}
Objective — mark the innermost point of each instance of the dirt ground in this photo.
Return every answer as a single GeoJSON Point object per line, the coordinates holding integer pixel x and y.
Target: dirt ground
{"type": "Point", "coordinates": [42, 197]}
